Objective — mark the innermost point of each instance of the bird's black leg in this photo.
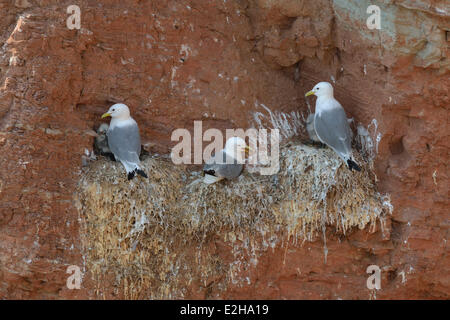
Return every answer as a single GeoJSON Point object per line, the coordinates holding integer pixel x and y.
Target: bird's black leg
{"type": "Point", "coordinates": [319, 144]}
{"type": "Point", "coordinates": [352, 165]}
{"type": "Point", "coordinates": [110, 156]}
{"type": "Point", "coordinates": [131, 175]}
{"type": "Point", "coordinates": [316, 144]}
{"type": "Point", "coordinates": [141, 173]}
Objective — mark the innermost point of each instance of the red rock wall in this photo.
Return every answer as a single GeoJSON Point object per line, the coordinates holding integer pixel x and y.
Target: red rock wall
{"type": "Point", "coordinates": [174, 62]}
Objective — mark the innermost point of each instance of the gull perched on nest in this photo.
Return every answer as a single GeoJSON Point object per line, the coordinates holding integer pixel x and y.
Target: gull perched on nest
{"type": "Point", "coordinates": [101, 142]}
{"type": "Point", "coordinates": [228, 163]}
{"type": "Point", "coordinates": [331, 124]}
{"type": "Point", "coordinates": [124, 139]}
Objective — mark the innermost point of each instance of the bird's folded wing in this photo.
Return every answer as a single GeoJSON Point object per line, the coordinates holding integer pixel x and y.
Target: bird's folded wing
{"type": "Point", "coordinates": [125, 143]}
{"type": "Point", "coordinates": [218, 167]}
{"type": "Point", "coordinates": [332, 128]}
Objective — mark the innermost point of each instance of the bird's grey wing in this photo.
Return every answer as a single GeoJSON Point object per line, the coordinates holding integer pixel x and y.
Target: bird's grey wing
{"type": "Point", "coordinates": [125, 143]}
{"type": "Point", "coordinates": [217, 166]}
{"type": "Point", "coordinates": [332, 129]}
{"type": "Point", "coordinates": [229, 171]}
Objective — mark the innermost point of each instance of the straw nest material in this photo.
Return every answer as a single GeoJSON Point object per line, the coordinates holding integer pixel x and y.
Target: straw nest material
{"type": "Point", "coordinates": [149, 235]}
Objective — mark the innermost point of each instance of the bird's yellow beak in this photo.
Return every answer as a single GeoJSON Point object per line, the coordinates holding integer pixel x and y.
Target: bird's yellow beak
{"type": "Point", "coordinates": [106, 115]}
{"type": "Point", "coordinates": [309, 93]}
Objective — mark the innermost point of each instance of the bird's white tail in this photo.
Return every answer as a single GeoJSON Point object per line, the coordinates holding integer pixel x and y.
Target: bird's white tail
{"type": "Point", "coordinates": [209, 179]}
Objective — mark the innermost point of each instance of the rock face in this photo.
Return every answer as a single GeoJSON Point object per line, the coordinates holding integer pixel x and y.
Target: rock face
{"type": "Point", "coordinates": [231, 64]}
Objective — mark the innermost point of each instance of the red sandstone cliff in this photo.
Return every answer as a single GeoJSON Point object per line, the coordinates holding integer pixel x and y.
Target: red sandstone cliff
{"type": "Point", "coordinates": [174, 62]}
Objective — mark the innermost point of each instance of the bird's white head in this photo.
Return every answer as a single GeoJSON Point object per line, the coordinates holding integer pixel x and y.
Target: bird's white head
{"type": "Point", "coordinates": [103, 128]}
{"type": "Point", "coordinates": [236, 148]}
{"type": "Point", "coordinates": [118, 111]}
{"type": "Point", "coordinates": [322, 89]}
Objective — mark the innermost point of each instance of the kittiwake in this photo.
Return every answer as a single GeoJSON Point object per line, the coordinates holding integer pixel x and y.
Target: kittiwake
{"type": "Point", "coordinates": [101, 142]}
{"type": "Point", "coordinates": [331, 124]}
{"type": "Point", "coordinates": [124, 139]}
{"type": "Point", "coordinates": [226, 164]}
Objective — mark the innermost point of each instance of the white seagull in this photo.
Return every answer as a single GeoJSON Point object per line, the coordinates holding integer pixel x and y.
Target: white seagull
{"type": "Point", "coordinates": [228, 163]}
{"type": "Point", "coordinates": [124, 139]}
{"type": "Point", "coordinates": [331, 124]}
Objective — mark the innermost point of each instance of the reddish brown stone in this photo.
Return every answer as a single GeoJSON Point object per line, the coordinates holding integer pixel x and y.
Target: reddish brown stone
{"type": "Point", "coordinates": [175, 62]}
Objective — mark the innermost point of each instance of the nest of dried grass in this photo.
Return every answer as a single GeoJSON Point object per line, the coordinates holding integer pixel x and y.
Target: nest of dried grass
{"type": "Point", "coordinates": [149, 235]}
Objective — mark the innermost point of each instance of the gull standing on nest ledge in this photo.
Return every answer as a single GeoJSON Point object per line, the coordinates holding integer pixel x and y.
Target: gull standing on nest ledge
{"type": "Point", "coordinates": [124, 139]}
{"type": "Point", "coordinates": [228, 163]}
{"type": "Point", "coordinates": [331, 124]}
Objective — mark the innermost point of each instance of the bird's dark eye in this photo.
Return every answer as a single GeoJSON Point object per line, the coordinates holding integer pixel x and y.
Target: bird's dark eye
{"type": "Point", "coordinates": [113, 110]}
{"type": "Point", "coordinates": [317, 88]}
